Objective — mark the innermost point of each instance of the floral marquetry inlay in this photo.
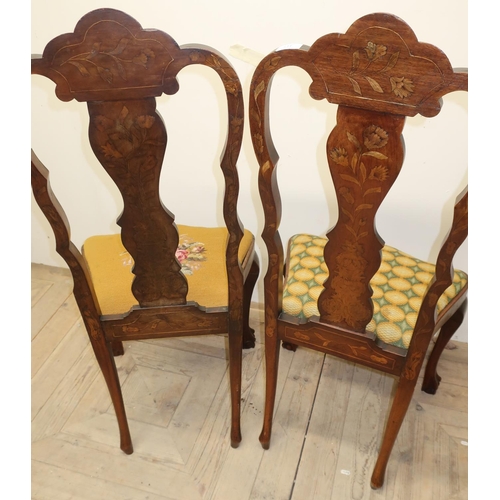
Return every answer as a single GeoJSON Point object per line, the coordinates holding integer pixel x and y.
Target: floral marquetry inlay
{"type": "Point", "coordinates": [99, 63]}
{"type": "Point", "coordinates": [362, 61]}
{"type": "Point", "coordinates": [386, 65]}
{"type": "Point", "coordinates": [365, 156]}
{"type": "Point", "coordinates": [109, 51]}
{"type": "Point", "coordinates": [129, 139]}
{"type": "Point", "coordinates": [357, 175]}
{"type": "Point", "coordinates": [125, 136]}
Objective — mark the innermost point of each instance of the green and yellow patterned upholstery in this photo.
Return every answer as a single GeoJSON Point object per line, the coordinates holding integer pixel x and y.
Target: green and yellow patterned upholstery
{"type": "Point", "coordinates": [201, 252]}
{"type": "Point", "coordinates": [398, 287]}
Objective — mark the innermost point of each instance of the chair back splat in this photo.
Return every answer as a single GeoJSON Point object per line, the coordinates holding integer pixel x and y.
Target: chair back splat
{"type": "Point", "coordinates": [118, 68]}
{"type": "Point", "coordinates": [347, 293]}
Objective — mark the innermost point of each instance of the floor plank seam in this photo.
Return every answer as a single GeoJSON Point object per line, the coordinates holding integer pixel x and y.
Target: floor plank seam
{"type": "Point", "coordinates": [189, 349]}
{"type": "Point", "coordinates": [33, 304]}
{"type": "Point", "coordinates": [79, 456]}
{"type": "Point", "coordinates": [57, 387]}
{"type": "Point", "coordinates": [49, 358]}
{"type": "Point", "coordinates": [307, 428]}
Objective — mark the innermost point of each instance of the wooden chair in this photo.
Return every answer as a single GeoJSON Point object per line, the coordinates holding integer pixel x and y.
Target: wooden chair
{"type": "Point", "coordinates": [347, 294]}
{"type": "Point", "coordinates": [156, 279]}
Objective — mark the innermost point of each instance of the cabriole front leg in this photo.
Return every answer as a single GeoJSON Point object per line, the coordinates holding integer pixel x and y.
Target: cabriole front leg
{"type": "Point", "coordinates": [431, 377]}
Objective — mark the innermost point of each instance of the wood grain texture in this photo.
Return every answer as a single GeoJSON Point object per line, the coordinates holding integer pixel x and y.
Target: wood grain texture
{"type": "Point", "coordinates": [325, 412]}
{"type": "Point", "coordinates": [129, 139]}
{"type": "Point", "coordinates": [365, 155]}
{"type": "Point", "coordinates": [118, 68]}
{"type": "Point", "coordinates": [343, 344]}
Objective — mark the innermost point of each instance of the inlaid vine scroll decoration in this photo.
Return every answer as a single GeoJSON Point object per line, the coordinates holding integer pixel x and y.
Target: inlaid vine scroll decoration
{"type": "Point", "coordinates": [226, 73]}
{"type": "Point", "coordinates": [127, 137]}
{"type": "Point", "coordinates": [111, 64]}
{"type": "Point", "coordinates": [107, 52]}
{"type": "Point", "coordinates": [333, 345]}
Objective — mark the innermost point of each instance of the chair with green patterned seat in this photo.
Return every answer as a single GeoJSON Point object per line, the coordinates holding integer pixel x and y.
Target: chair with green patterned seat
{"type": "Point", "coordinates": [347, 294]}
{"type": "Point", "coordinates": [154, 279]}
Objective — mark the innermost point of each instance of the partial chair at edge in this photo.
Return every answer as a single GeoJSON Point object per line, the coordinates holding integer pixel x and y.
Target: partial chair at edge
{"type": "Point", "coordinates": [347, 294]}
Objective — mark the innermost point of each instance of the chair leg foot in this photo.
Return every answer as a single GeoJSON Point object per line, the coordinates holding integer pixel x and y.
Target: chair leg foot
{"type": "Point", "coordinates": [378, 476]}
{"type": "Point", "coordinates": [235, 364]}
{"type": "Point", "coordinates": [117, 348]}
{"type": "Point", "coordinates": [289, 346]}
{"type": "Point", "coordinates": [431, 377]}
{"type": "Point", "coordinates": [400, 404]}
{"type": "Point", "coordinates": [235, 442]}
{"type": "Point", "coordinates": [265, 439]}
{"type": "Point", "coordinates": [431, 383]}
{"type": "Point", "coordinates": [272, 353]}
{"type": "Point", "coordinates": [248, 338]}
{"type": "Point", "coordinates": [127, 448]}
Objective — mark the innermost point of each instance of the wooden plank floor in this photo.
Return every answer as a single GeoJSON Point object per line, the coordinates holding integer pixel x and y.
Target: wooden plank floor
{"type": "Point", "coordinates": [329, 418]}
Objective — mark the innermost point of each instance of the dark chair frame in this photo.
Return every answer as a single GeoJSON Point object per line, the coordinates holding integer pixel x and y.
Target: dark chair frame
{"type": "Point", "coordinates": [378, 73]}
{"type": "Point", "coordinates": [118, 68]}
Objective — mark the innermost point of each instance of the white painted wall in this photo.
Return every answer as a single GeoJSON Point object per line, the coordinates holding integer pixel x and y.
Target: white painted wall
{"type": "Point", "coordinates": [416, 213]}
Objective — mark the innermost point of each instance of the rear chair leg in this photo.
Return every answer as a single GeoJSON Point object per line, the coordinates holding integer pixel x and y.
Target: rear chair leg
{"type": "Point", "coordinates": [235, 363]}
{"type": "Point", "coordinates": [289, 346]}
{"type": "Point", "coordinates": [285, 344]}
{"type": "Point", "coordinates": [117, 348]}
{"type": "Point", "coordinates": [431, 377]}
{"type": "Point", "coordinates": [249, 333]}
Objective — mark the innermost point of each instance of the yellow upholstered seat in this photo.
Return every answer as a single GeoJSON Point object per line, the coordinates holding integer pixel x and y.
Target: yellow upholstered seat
{"type": "Point", "coordinates": [201, 252]}
{"type": "Point", "coordinates": [398, 287]}
{"type": "Point", "coordinates": [117, 69]}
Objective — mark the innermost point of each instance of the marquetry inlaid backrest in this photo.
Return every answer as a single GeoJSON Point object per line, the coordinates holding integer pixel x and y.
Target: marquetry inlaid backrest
{"type": "Point", "coordinates": [118, 68]}
{"type": "Point", "coordinates": [378, 73]}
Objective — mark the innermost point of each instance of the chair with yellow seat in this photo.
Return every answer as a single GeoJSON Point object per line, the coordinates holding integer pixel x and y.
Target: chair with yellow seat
{"type": "Point", "coordinates": [154, 279]}
{"type": "Point", "coordinates": [348, 294]}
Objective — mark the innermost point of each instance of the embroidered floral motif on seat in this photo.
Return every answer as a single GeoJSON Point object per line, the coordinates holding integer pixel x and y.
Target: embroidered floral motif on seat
{"type": "Point", "coordinates": [190, 254]}
{"type": "Point", "coordinates": [398, 287]}
{"type": "Point", "coordinates": [201, 253]}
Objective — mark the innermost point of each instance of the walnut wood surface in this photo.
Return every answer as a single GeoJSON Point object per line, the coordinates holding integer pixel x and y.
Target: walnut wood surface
{"type": "Point", "coordinates": [325, 410]}
{"type": "Point", "coordinates": [426, 321]}
{"type": "Point", "coordinates": [378, 73]}
{"type": "Point", "coordinates": [129, 139]}
{"type": "Point", "coordinates": [118, 68]}
{"type": "Point", "coordinates": [365, 154]}
{"type": "Point", "coordinates": [158, 323]}
{"type": "Point", "coordinates": [344, 344]}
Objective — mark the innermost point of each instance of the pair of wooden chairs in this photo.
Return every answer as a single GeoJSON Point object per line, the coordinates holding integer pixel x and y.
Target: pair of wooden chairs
{"type": "Point", "coordinates": [344, 294]}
